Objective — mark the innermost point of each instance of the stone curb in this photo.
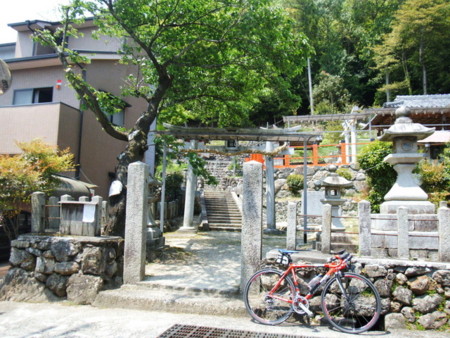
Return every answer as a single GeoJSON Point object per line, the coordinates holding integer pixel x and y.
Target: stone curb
{"type": "Point", "coordinates": [169, 300]}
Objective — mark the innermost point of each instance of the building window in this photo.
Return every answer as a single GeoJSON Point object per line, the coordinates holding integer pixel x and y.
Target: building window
{"type": "Point", "coordinates": [117, 119]}
{"type": "Point", "coordinates": [34, 95]}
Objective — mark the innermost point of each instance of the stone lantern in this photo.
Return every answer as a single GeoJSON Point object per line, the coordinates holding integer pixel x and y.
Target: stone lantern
{"type": "Point", "coordinates": [406, 191]}
{"type": "Point", "coordinates": [334, 185]}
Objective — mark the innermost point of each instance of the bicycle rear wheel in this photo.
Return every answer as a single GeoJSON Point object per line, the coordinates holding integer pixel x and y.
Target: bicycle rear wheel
{"type": "Point", "coordinates": [355, 312]}
{"type": "Point", "coordinates": [265, 307]}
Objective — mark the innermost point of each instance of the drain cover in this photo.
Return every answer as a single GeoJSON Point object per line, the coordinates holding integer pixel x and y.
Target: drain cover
{"type": "Point", "coordinates": [193, 331]}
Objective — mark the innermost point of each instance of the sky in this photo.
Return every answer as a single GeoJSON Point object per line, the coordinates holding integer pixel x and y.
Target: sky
{"type": "Point", "coordinates": [13, 11]}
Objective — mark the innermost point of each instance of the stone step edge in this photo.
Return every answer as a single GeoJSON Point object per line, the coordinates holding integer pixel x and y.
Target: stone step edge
{"type": "Point", "coordinates": [178, 302]}
{"type": "Point", "coordinates": [231, 292]}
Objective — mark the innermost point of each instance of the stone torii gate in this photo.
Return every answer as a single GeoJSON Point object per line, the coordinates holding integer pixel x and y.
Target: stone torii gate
{"type": "Point", "coordinates": [137, 212]}
{"type": "Point", "coordinates": [195, 135]}
{"type": "Point", "coordinates": [251, 252]}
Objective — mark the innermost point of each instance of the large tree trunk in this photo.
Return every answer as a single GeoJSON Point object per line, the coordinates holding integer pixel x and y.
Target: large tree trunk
{"type": "Point", "coordinates": [134, 151]}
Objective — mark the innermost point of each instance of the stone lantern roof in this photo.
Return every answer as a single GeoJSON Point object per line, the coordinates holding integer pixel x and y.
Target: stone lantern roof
{"type": "Point", "coordinates": [334, 180]}
{"type": "Point", "coordinates": [404, 127]}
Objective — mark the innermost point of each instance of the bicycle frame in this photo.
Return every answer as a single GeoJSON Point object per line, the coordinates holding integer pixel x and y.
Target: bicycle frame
{"type": "Point", "coordinates": [333, 268]}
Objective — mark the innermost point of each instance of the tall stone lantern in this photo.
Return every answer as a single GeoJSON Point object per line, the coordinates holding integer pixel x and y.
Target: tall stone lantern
{"type": "Point", "coordinates": [334, 185]}
{"type": "Point", "coordinates": [406, 191]}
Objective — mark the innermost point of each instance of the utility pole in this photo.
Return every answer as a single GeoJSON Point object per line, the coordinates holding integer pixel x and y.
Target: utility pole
{"type": "Point", "coordinates": [311, 101]}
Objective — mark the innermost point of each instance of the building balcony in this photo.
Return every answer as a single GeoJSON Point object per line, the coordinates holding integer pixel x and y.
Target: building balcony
{"type": "Point", "coordinates": [55, 123]}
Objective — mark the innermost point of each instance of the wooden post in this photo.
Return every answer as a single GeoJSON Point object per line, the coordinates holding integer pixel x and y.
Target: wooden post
{"type": "Point", "coordinates": [343, 153]}
{"type": "Point", "coordinates": [315, 154]}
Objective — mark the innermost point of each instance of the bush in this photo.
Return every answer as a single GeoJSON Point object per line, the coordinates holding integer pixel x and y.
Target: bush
{"type": "Point", "coordinates": [173, 185]}
{"type": "Point", "coordinates": [345, 173]}
{"type": "Point", "coordinates": [381, 175]}
{"type": "Point", "coordinates": [435, 182]}
{"type": "Point", "coordinates": [295, 183]}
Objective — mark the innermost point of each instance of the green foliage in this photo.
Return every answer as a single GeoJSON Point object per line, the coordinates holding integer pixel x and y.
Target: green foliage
{"type": "Point", "coordinates": [381, 175]}
{"type": "Point", "coordinates": [295, 183]}
{"type": "Point", "coordinates": [21, 175]}
{"type": "Point", "coordinates": [173, 185]}
{"type": "Point", "coordinates": [330, 95]}
{"type": "Point", "coordinates": [435, 177]}
{"type": "Point", "coordinates": [198, 166]}
{"type": "Point", "coordinates": [413, 53]}
{"type": "Point", "coordinates": [345, 173]}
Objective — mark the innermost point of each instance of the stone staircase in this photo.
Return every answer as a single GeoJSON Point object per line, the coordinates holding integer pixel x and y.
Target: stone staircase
{"type": "Point", "coordinates": [222, 211]}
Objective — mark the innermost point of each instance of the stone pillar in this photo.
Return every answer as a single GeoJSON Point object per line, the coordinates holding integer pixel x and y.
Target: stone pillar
{"type": "Point", "coordinates": [37, 212]}
{"type": "Point", "coordinates": [191, 187]}
{"type": "Point", "coordinates": [251, 235]}
{"type": "Point", "coordinates": [291, 234]}
{"type": "Point", "coordinates": [98, 200]}
{"type": "Point", "coordinates": [365, 235]}
{"type": "Point", "coordinates": [270, 192]}
{"type": "Point", "coordinates": [136, 223]}
{"type": "Point", "coordinates": [403, 233]}
{"type": "Point", "coordinates": [53, 213]}
{"type": "Point", "coordinates": [325, 237]}
{"type": "Point", "coordinates": [444, 233]}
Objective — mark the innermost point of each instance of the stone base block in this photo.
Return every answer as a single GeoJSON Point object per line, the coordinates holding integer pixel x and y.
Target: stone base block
{"type": "Point", "coordinates": [414, 207]}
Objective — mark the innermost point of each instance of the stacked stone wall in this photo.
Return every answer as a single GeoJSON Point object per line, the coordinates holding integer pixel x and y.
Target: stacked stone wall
{"type": "Point", "coordinates": [47, 268]}
{"type": "Point", "coordinates": [414, 295]}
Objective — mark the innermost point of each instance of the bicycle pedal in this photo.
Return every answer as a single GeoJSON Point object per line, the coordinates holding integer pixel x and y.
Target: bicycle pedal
{"type": "Point", "coordinates": [305, 309]}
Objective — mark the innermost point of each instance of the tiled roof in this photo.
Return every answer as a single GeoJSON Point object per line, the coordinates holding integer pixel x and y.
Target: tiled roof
{"type": "Point", "coordinates": [420, 101]}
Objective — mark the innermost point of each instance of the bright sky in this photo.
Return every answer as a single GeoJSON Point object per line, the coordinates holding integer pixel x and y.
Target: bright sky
{"type": "Point", "coordinates": [12, 11]}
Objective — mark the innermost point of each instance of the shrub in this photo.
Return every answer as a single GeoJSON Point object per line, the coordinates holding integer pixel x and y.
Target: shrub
{"type": "Point", "coordinates": [295, 183]}
{"type": "Point", "coordinates": [435, 182]}
{"type": "Point", "coordinates": [381, 175]}
{"type": "Point", "coordinates": [345, 173]}
{"type": "Point", "coordinates": [173, 185]}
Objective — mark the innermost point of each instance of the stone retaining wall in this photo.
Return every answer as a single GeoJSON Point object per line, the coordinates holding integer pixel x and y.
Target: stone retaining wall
{"type": "Point", "coordinates": [414, 294]}
{"type": "Point", "coordinates": [46, 268]}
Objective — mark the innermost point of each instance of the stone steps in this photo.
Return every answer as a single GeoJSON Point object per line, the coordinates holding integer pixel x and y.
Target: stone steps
{"type": "Point", "coordinates": [222, 211]}
{"type": "Point", "coordinates": [157, 298]}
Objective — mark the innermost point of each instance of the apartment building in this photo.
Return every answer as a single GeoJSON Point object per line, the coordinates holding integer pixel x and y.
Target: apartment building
{"type": "Point", "coordinates": [41, 104]}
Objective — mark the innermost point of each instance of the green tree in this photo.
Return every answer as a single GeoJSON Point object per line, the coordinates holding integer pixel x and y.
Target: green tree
{"type": "Point", "coordinates": [342, 34]}
{"type": "Point", "coordinates": [416, 48]}
{"type": "Point", "coordinates": [330, 96]}
{"type": "Point", "coordinates": [199, 60]}
{"type": "Point", "coordinates": [21, 175]}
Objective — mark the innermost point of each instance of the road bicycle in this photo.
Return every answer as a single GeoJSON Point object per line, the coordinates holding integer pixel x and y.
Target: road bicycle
{"type": "Point", "coordinates": [349, 301]}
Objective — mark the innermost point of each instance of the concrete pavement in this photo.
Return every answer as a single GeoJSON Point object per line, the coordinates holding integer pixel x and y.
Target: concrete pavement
{"type": "Point", "coordinates": [66, 320]}
{"type": "Point", "coordinates": [195, 283]}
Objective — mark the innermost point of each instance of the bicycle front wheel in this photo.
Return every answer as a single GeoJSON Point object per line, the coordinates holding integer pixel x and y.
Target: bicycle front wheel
{"type": "Point", "coordinates": [351, 303]}
{"type": "Point", "coordinates": [265, 303]}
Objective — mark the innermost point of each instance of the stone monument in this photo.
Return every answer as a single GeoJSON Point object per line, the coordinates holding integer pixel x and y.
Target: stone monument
{"type": "Point", "coordinates": [406, 191]}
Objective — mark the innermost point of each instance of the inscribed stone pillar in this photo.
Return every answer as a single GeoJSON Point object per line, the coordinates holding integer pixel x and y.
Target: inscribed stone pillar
{"type": "Point", "coordinates": [191, 187]}
{"type": "Point", "coordinates": [37, 212]}
{"type": "Point", "coordinates": [270, 190]}
{"type": "Point", "coordinates": [136, 223]}
{"type": "Point", "coordinates": [444, 233]}
{"type": "Point", "coordinates": [325, 238]}
{"type": "Point", "coordinates": [291, 234]}
{"type": "Point", "coordinates": [251, 235]}
{"type": "Point", "coordinates": [365, 235]}
{"type": "Point", "coordinates": [403, 233]}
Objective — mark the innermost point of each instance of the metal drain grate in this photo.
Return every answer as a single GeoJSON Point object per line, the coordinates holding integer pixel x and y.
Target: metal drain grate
{"type": "Point", "coordinates": [193, 331]}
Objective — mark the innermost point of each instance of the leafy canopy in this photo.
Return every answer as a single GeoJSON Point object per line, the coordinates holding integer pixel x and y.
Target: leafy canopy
{"type": "Point", "coordinates": [218, 57]}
